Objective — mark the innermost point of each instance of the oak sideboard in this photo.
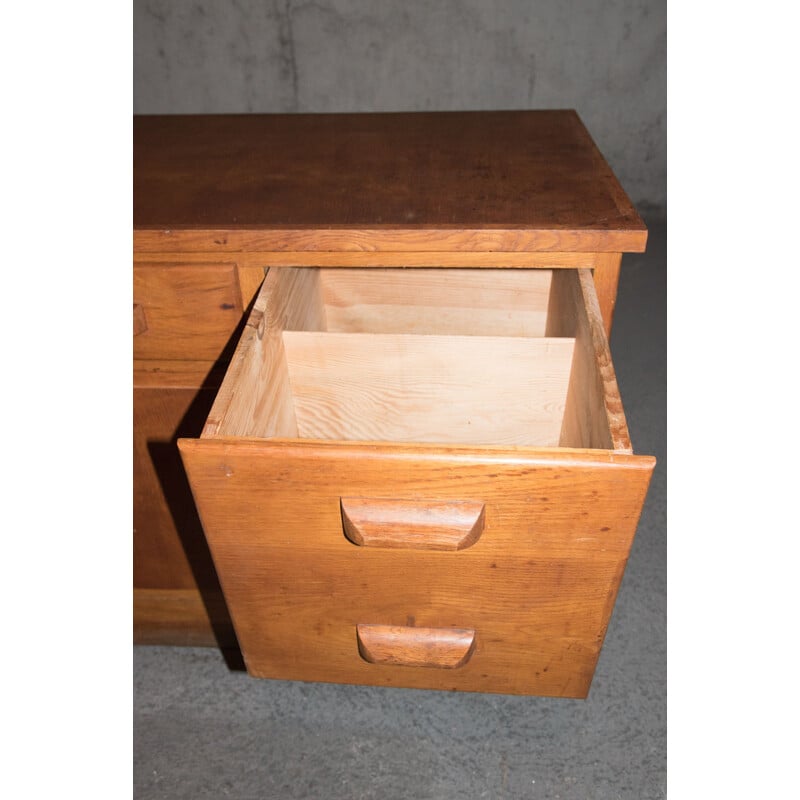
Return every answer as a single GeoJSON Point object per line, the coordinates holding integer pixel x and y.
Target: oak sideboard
{"type": "Point", "coordinates": [378, 437]}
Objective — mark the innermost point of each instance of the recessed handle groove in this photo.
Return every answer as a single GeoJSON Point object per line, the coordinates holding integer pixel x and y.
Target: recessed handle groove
{"type": "Point", "coordinates": [139, 319]}
{"type": "Point", "coordinates": [415, 524]}
{"type": "Point", "coordinates": [443, 648]}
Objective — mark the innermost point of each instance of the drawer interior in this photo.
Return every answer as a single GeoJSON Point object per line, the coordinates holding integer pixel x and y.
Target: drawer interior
{"type": "Point", "coordinates": [451, 356]}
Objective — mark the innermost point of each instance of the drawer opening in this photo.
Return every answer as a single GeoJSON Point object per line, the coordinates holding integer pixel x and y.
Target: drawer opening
{"type": "Point", "coordinates": [470, 357]}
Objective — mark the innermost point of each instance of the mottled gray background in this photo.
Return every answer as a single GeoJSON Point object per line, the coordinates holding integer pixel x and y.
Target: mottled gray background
{"type": "Point", "coordinates": [605, 58]}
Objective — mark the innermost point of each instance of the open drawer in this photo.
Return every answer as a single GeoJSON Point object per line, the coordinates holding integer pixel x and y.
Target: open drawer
{"type": "Point", "coordinates": [421, 478]}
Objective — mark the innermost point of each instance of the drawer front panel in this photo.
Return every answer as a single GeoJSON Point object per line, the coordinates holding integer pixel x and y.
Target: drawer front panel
{"type": "Point", "coordinates": [536, 587]}
{"type": "Point", "coordinates": [184, 311]}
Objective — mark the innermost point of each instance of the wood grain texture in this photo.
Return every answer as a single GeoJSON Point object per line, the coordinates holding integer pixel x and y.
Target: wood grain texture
{"type": "Point", "coordinates": [486, 302]}
{"type": "Point", "coordinates": [177, 599]}
{"type": "Point", "coordinates": [473, 181]}
{"type": "Point", "coordinates": [139, 320]}
{"type": "Point", "coordinates": [256, 395]}
{"type": "Point", "coordinates": [606, 279]}
{"type": "Point", "coordinates": [230, 243]}
{"type": "Point", "coordinates": [594, 416]}
{"type": "Point", "coordinates": [168, 541]}
{"type": "Point", "coordinates": [538, 586]}
{"type": "Point", "coordinates": [182, 617]}
{"type": "Point", "coordinates": [413, 388]}
{"type": "Point", "coordinates": [260, 260]}
{"type": "Point", "coordinates": [191, 310]}
{"type": "Point", "coordinates": [169, 374]}
{"type": "Point", "coordinates": [437, 648]}
{"type": "Point", "coordinates": [177, 596]}
{"type": "Point", "coordinates": [250, 278]}
{"type": "Point", "coordinates": [228, 196]}
{"type": "Point", "coordinates": [412, 524]}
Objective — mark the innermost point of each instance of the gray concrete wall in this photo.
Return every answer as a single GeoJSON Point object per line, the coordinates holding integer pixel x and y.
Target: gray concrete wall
{"type": "Point", "coordinates": [605, 58]}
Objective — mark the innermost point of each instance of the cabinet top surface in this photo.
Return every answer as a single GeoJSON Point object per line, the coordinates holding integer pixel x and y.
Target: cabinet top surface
{"type": "Point", "coordinates": [409, 174]}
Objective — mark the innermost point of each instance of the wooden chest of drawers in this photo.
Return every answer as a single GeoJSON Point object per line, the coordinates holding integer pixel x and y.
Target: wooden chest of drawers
{"type": "Point", "coordinates": [416, 471]}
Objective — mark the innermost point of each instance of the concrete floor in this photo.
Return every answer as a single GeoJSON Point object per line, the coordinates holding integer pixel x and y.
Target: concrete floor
{"type": "Point", "coordinates": [202, 730]}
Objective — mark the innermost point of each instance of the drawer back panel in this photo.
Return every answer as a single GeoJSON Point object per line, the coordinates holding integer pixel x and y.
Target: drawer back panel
{"type": "Point", "coordinates": [483, 302]}
{"type": "Point", "coordinates": [413, 388]}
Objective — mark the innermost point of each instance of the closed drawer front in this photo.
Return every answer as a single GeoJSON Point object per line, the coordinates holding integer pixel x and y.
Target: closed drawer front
{"type": "Point", "coordinates": [420, 479]}
{"type": "Point", "coordinates": [184, 311]}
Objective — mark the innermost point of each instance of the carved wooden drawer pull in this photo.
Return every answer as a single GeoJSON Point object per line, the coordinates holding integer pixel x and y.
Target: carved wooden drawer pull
{"type": "Point", "coordinates": [415, 524]}
{"type": "Point", "coordinates": [445, 648]}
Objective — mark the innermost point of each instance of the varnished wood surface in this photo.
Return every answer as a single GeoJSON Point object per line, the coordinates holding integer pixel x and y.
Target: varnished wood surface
{"type": "Point", "coordinates": [373, 258]}
{"type": "Point", "coordinates": [515, 189]}
{"type": "Point", "coordinates": [440, 648]}
{"type": "Point", "coordinates": [537, 587]}
{"type": "Point", "coordinates": [606, 280]}
{"type": "Point", "coordinates": [412, 524]}
{"type": "Point", "coordinates": [358, 241]}
{"type": "Point", "coordinates": [139, 319]}
{"type": "Point", "coordinates": [190, 310]}
{"type": "Point", "coordinates": [471, 181]}
{"type": "Point", "coordinates": [194, 311]}
{"type": "Point", "coordinates": [169, 549]}
{"type": "Point", "coordinates": [182, 617]}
